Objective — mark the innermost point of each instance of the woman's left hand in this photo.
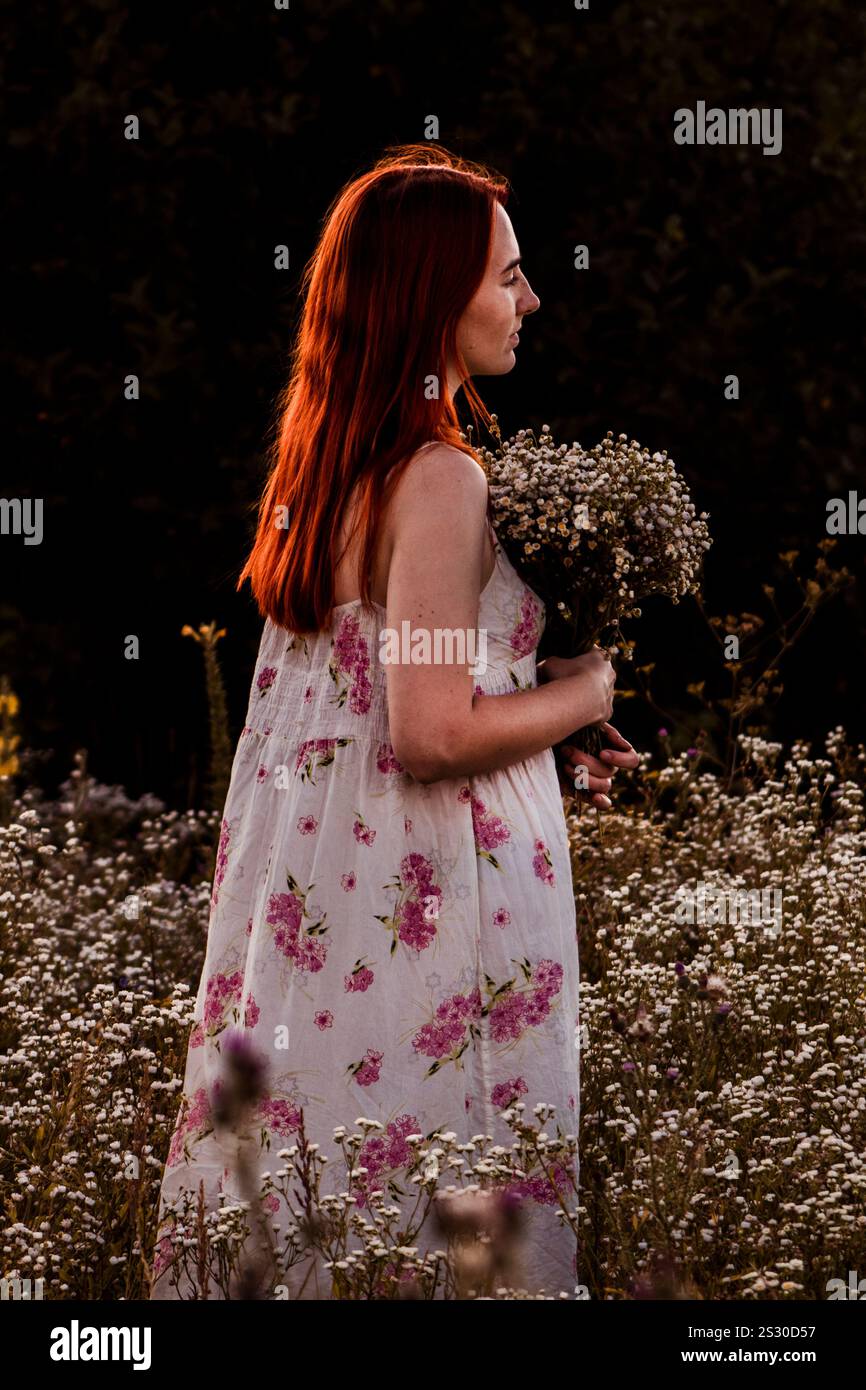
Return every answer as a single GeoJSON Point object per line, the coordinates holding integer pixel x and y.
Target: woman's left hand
{"type": "Point", "coordinates": [599, 770]}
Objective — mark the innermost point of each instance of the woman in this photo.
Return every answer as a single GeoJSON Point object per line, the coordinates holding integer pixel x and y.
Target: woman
{"type": "Point", "coordinates": [393, 929]}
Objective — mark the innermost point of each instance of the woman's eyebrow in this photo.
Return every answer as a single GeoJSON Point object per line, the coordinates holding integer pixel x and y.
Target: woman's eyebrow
{"type": "Point", "coordinates": [511, 265]}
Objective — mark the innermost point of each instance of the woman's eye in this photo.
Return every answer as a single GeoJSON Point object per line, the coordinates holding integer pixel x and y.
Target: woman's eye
{"type": "Point", "coordinates": [512, 280]}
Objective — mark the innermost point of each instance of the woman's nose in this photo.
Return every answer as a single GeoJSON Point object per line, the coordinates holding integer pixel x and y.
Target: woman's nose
{"type": "Point", "coordinates": [530, 303]}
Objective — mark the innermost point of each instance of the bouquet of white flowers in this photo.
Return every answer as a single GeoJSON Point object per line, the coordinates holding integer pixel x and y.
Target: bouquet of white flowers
{"type": "Point", "coordinates": [593, 532]}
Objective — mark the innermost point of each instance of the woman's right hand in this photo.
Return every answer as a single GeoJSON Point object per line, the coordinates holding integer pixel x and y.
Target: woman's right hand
{"type": "Point", "coordinates": [597, 677]}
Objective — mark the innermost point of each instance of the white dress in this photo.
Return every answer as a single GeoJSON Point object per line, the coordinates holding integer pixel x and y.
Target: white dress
{"type": "Point", "coordinates": [412, 947]}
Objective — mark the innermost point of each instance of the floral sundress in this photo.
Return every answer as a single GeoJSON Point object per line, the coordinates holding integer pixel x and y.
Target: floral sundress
{"type": "Point", "coordinates": [392, 950]}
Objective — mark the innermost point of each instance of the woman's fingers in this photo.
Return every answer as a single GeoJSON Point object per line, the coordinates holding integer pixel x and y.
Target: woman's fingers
{"type": "Point", "coordinates": [579, 755]}
{"type": "Point", "coordinates": [598, 799]}
{"type": "Point", "coordinates": [591, 782]}
{"type": "Point", "coordinates": [589, 779]}
{"type": "Point", "coordinates": [592, 798]}
{"type": "Point", "coordinates": [598, 771]}
{"type": "Point", "coordinates": [614, 735]}
{"type": "Point", "coordinates": [622, 754]}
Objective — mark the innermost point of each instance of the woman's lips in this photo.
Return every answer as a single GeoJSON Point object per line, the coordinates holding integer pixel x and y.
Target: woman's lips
{"type": "Point", "coordinates": [515, 338]}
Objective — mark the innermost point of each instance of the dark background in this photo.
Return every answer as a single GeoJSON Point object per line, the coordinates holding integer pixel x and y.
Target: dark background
{"type": "Point", "coordinates": [156, 257]}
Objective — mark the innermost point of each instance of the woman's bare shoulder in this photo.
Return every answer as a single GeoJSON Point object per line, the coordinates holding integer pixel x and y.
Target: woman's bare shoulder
{"type": "Point", "coordinates": [440, 509]}
{"type": "Point", "coordinates": [440, 475]}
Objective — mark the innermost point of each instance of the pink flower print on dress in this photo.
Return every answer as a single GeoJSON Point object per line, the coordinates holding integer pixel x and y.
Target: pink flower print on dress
{"type": "Point", "coordinates": [193, 1123]}
{"type": "Point", "coordinates": [501, 917]}
{"type": "Point", "coordinates": [307, 949]}
{"type": "Point", "coordinates": [489, 830]}
{"type": "Point", "coordinates": [361, 830]}
{"type": "Point", "coordinates": [407, 825]}
{"type": "Point", "coordinates": [385, 760]}
{"type": "Point", "coordinates": [547, 976]}
{"type": "Point", "coordinates": [550, 1187]}
{"type": "Point", "coordinates": [360, 979]}
{"type": "Point", "coordinates": [349, 881]}
{"type": "Point", "coordinates": [222, 994]}
{"type": "Point", "coordinates": [316, 753]}
{"type": "Point", "coordinates": [525, 636]}
{"type": "Point", "coordinates": [349, 666]}
{"type": "Point", "coordinates": [271, 1202]}
{"type": "Point", "coordinates": [416, 910]}
{"type": "Point", "coordinates": [323, 1019]}
{"type": "Point", "coordinates": [279, 1116]}
{"type": "Point", "coordinates": [162, 1255]}
{"type": "Point", "coordinates": [507, 1092]}
{"type": "Point", "coordinates": [453, 1027]}
{"type": "Point", "coordinates": [196, 1037]}
{"type": "Point", "coordinates": [252, 1013]}
{"type": "Point", "coordinates": [308, 694]}
{"type": "Point", "coordinates": [513, 1010]}
{"type": "Point", "coordinates": [543, 864]}
{"type": "Point", "coordinates": [507, 1019]}
{"type": "Point", "coordinates": [367, 1071]}
{"type": "Point", "coordinates": [222, 860]}
{"type": "Point", "coordinates": [262, 773]}
{"type": "Point", "coordinates": [393, 1276]}
{"type": "Point", "coordinates": [265, 679]}
{"type": "Point", "coordinates": [307, 825]}
{"type": "Point", "coordinates": [381, 1154]}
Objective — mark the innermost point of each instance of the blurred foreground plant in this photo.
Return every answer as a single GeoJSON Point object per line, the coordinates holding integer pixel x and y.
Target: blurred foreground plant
{"type": "Point", "coordinates": [473, 1192]}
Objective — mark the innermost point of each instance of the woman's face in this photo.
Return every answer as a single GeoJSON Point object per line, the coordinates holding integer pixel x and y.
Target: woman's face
{"type": "Point", "coordinates": [485, 333]}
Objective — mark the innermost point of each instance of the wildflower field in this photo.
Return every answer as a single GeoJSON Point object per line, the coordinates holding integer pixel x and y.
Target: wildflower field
{"type": "Point", "coordinates": [723, 1105]}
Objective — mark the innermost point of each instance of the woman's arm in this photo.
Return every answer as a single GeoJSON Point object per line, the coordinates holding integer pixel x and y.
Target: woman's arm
{"type": "Point", "coordinates": [439, 728]}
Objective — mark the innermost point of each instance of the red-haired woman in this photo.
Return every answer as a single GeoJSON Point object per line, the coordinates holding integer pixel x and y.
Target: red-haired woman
{"type": "Point", "coordinates": [392, 932]}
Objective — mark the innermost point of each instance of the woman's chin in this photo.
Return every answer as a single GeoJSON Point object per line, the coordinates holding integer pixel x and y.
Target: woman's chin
{"type": "Point", "coordinates": [499, 367]}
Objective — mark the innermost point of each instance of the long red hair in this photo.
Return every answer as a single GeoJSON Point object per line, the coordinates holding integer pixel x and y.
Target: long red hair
{"type": "Point", "coordinates": [403, 250]}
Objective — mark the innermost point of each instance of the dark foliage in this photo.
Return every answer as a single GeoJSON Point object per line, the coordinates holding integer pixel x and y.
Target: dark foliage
{"type": "Point", "coordinates": [155, 257]}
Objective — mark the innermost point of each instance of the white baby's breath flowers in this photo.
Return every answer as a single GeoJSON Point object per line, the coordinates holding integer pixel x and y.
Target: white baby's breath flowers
{"type": "Point", "coordinates": [744, 1116]}
{"type": "Point", "coordinates": [593, 532]}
